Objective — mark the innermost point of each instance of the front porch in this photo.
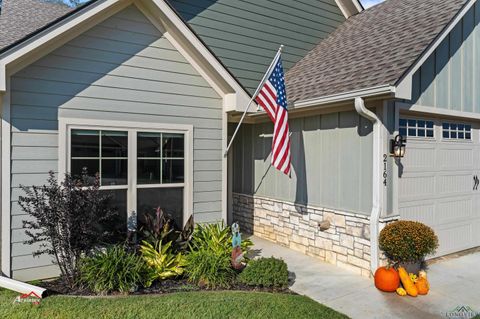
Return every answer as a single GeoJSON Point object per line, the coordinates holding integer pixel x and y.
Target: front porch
{"type": "Point", "coordinates": [452, 285]}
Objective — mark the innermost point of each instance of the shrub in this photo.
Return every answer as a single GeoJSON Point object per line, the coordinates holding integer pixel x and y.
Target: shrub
{"type": "Point", "coordinates": [408, 241]}
{"type": "Point", "coordinates": [265, 272]}
{"type": "Point", "coordinates": [163, 262]}
{"type": "Point", "coordinates": [68, 219]}
{"type": "Point", "coordinates": [161, 227]}
{"type": "Point", "coordinates": [208, 268]}
{"type": "Point", "coordinates": [217, 238]}
{"type": "Point", "coordinates": [114, 269]}
{"type": "Point", "coordinates": [209, 260]}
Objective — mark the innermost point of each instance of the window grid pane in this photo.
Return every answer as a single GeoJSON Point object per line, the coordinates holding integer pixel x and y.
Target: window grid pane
{"type": "Point", "coordinates": [165, 164]}
{"type": "Point", "coordinates": [457, 131]}
{"type": "Point", "coordinates": [113, 168]}
{"type": "Point", "coordinates": [416, 128]}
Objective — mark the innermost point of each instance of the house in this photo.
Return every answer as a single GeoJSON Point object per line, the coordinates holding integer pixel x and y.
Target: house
{"type": "Point", "coordinates": [105, 85]}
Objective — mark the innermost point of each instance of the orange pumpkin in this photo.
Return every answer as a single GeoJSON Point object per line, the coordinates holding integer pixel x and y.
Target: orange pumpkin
{"type": "Point", "coordinates": [387, 279]}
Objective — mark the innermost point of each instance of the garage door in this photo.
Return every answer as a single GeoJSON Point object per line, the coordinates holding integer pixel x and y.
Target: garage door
{"type": "Point", "coordinates": [438, 180]}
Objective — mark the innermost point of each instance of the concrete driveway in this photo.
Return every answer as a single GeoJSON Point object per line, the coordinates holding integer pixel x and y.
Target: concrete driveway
{"type": "Point", "coordinates": [454, 283]}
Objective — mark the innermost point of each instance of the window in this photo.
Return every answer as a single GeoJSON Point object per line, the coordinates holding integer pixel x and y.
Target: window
{"type": "Point", "coordinates": [416, 128]}
{"type": "Point", "coordinates": [160, 158]}
{"type": "Point", "coordinates": [456, 131]}
{"type": "Point", "coordinates": [160, 163]}
{"type": "Point", "coordinates": [102, 152]}
{"type": "Point", "coordinates": [141, 168]}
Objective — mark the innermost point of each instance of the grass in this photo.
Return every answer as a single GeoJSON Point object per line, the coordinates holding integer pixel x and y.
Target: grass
{"type": "Point", "coordinates": [224, 304]}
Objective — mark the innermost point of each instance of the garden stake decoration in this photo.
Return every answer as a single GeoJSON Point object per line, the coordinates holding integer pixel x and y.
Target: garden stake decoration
{"type": "Point", "coordinates": [237, 254]}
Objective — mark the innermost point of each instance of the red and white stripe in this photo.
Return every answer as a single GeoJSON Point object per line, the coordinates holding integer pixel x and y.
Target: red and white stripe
{"type": "Point", "coordinates": [281, 156]}
{"type": "Point", "coordinates": [267, 99]}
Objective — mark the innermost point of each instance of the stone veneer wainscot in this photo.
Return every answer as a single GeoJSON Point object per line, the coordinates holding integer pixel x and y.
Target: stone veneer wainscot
{"type": "Point", "coordinates": [345, 244]}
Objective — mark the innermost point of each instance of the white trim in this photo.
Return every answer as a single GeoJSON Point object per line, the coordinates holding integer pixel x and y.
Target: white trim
{"type": "Point", "coordinates": [6, 187]}
{"type": "Point", "coordinates": [66, 124]}
{"type": "Point", "coordinates": [225, 168]}
{"type": "Point", "coordinates": [396, 164]}
{"type": "Point", "coordinates": [349, 7]}
{"type": "Point", "coordinates": [402, 106]}
{"type": "Point", "coordinates": [404, 84]}
{"type": "Point", "coordinates": [351, 95]}
{"type": "Point", "coordinates": [377, 158]}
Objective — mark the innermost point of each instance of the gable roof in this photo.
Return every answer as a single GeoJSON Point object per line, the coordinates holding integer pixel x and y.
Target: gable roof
{"type": "Point", "coordinates": [211, 21]}
{"type": "Point", "coordinates": [371, 49]}
{"type": "Point", "coordinates": [245, 35]}
{"type": "Point", "coordinates": [19, 18]}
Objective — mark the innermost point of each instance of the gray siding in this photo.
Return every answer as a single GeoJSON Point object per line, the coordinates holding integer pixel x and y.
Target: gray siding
{"type": "Point", "coordinates": [122, 69]}
{"type": "Point", "coordinates": [331, 159]}
{"type": "Point", "coordinates": [245, 34]}
{"type": "Point", "coordinates": [450, 78]}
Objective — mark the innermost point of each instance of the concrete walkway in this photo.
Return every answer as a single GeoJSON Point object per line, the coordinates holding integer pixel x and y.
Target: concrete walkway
{"type": "Point", "coordinates": [454, 282]}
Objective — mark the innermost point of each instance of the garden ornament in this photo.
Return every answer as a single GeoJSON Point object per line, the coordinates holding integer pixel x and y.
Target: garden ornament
{"type": "Point", "coordinates": [237, 254]}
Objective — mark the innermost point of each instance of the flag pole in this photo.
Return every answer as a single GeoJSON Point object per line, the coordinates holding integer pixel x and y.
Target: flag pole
{"type": "Point", "coordinates": [254, 96]}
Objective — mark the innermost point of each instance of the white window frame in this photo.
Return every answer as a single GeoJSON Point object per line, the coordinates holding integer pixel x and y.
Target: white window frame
{"type": "Point", "coordinates": [456, 139]}
{"type": "Point", "coordinates": [417, 119]}
{"type": "Point", "coordinates": [67, 124]}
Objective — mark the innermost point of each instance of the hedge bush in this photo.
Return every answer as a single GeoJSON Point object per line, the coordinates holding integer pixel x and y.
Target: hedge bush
{"type": "Point", "coordinates": [408, 241]}
{"type": "Point", "coordinates": [265, 272]}
{"type": "Point", "coordinates": [114, 269]}
{"type": "Point", "coordinates": [208, 268]}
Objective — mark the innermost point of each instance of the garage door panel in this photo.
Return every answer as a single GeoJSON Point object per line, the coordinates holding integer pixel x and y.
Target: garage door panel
{"type": "Point", "coordinates": [456, 183]}
{"type": "Point", "coordinates": [436, 187]}
{"type": "Point", "coordinates": [419, 211]}
{"type": "Point", "coordinates": [453, 238]}
{"type": "Point", "coordinates": [420, 158]}
{"type": "Point", "coordinates": [476, 233]}
{"type": "Point", "coordinates": [453, 210]}
{"type": "Point", "coordinates": [455, 158]}
{"type": "Point", "coordinates": [414, 187]}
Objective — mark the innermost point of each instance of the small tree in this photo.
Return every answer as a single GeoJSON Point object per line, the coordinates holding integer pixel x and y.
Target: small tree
{"type": "Point", "coordinates": [68, 220]}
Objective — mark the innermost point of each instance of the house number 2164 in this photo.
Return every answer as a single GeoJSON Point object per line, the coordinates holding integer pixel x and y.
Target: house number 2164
{"type": "Point", "coordinates": [385, 174]}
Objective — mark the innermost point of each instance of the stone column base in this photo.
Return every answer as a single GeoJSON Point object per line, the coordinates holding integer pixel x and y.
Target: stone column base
{"type": "Point", "coordinates": [346, 242]}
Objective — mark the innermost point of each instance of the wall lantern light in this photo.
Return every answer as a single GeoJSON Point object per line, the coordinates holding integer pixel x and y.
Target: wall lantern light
{"type": "Point", "coordinates": [397, 146]}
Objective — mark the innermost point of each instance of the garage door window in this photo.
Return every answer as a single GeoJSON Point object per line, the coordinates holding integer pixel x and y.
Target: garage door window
{"type": "Point", "coordinates": [416, 128]}
{"type": "Point", "coordinates": [455, 131]}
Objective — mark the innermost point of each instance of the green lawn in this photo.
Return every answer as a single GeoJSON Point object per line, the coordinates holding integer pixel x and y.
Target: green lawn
{"type": "Point", "coordinates": [229, 304]}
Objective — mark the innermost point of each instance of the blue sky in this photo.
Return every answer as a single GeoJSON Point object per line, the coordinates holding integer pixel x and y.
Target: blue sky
{"type": "Point", "coordinates": [369, 3]}
{"type": "Point", "coordinates": [366, 3]}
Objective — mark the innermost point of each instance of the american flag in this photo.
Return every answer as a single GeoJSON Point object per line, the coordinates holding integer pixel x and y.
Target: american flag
{"type": "Point", "coordinates": [273, 99]}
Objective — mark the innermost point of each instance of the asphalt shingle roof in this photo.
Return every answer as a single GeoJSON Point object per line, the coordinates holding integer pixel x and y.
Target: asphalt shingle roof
{"type": "Point", "coordinates": [375, 47]}
{"type": "Point", "coordinates": [19, 18]}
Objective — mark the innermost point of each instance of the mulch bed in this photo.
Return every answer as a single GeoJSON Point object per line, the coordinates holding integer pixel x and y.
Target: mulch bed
{"type": "Point", "coordinates": [57, 287]}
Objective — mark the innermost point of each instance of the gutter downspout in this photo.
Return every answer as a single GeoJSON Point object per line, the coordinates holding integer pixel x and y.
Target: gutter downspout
{"type": "Point", "coordinates": [377, 188]}
{"type": "Point", "coordinates": [20, 287]}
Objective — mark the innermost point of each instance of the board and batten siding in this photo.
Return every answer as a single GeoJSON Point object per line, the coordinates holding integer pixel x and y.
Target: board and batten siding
{"type": "Point", "coordinates": [331, 162]}
{"type": "Point", "coordinates": [245, 35]}
{"type": "Point", "coordinates": [121, 69]}
{"type": "Point", "coordinates": [450, 77]}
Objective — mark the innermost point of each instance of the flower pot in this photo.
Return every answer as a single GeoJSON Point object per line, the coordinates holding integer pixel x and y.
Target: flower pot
{"type": "Point", "coordinates": [413, 267]}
